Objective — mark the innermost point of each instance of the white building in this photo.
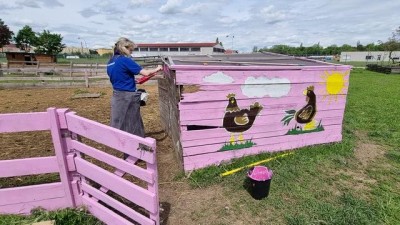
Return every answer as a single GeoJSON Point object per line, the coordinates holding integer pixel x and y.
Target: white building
{"type": "Point", "coordinates": [368, 56]}
{"type": "Point", "coordinates": [155, 49]}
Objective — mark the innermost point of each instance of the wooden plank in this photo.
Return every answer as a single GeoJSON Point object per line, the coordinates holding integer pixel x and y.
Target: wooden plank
{"type": "Point", "coordinates": [273, 92]}
{"type": "Point", "coordinates": [29, 166]}
{"type": "Point", "coordinates": [120, 207]}
{"type": "Point", "coordinates": [26, 207]}
{"type": "Point", "coordinates": [18, 122]}
{"type": "Point", "coordinates": [102, 213]}
{"type": "Point", "coordinates": [61, 150]}
{"type": "Point", "coordinates": [263, 119]}
{"type": "Point", "coordinates": [220, 76]}
{"type": "Point", "coordinates": [207, 114]}
{"type": "Point", "coordinates": [189, 135]}
{"type": "Point", "coordinates": [27, 194]}
{"type": "Point", "coordinates": [86, 95]}
{"type": "Point", "coordinates": [203, 160]}
{"type": "Point", "coordinates": [117, 139]}
{"type": "Point", "coordinates": [260, 140]}
{"type": "Point", "coordinates": [272, 103]}
{"type": "Point", "coordinates": [130, 191]}
{"type": "Point", "coordinates": [118, 163]}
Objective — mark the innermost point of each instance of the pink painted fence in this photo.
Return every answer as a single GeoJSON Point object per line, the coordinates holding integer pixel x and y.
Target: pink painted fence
{"type": "Point", "coordinates": [80, 177]}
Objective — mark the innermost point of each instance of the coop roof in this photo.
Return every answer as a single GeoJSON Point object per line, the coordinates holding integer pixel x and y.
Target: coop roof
{"type": "Point", "coordinates": [265, 59]}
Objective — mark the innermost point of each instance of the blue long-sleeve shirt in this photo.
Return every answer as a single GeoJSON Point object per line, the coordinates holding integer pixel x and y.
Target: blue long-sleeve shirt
{"type": "Point", "coordinates": [122, 71]}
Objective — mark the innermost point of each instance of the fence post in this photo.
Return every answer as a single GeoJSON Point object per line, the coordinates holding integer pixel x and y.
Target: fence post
{"type": "Point", "coordinates": [91, 68]}
{"type": "Point", "coordinates": [86, 79]}
{"type": "Point", "coordinates": [70, 69]}
{"type": "Point", "coordinates": [37, 67]}
{"type": "Point", "coordinates": [61, 150]}
{"type": "Point", "coordinates": [152, 167]}
{"type": "Point", "coordinates": [1, 71]}
{"type": "Point", "coordinates": [97, 67]}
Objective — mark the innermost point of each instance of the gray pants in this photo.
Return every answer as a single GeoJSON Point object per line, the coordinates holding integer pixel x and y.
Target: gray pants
{"type": "Point", "coordinates": [125, 112]}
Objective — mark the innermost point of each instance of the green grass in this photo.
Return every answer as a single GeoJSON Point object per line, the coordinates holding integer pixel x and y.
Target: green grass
{"type": "Point", "coordinates": [315, 185]}
{"type": "Point", "coordinates": [61, 217]}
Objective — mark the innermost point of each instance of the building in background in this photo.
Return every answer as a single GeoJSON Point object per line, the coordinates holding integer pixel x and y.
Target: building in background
{"type": "Point", "coordinates": [74, 50]}
{"type": "Point", "coordinates": [155, 49]}
{"type": "Point", "coordinates": [104, 51]}
{"type": "Point", "coordinates": [369, 56]}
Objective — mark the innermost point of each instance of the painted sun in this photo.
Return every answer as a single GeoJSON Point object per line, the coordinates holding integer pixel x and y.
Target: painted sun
{"type": "Point", "coordinates": [335, 83]}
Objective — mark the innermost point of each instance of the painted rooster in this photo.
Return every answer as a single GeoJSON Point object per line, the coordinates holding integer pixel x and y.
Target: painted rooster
{"type": "Point", "coordinates": [306, 114]}
{"type": "Point", "coordinates": [238, 120]}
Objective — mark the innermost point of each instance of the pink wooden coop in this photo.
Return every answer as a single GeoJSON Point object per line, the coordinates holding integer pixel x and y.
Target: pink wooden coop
{"type": "Point", "coordinates": [220, 107]}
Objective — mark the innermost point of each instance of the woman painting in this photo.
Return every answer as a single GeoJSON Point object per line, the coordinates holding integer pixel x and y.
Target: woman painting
{"type": "Point", "coordinates": [125, 102]}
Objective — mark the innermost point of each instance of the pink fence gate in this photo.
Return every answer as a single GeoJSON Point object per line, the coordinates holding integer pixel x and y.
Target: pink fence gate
{"type": "Point", "coordinates": [84, 170]}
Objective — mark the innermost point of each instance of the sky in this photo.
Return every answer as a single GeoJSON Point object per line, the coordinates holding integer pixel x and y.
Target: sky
{"type": "Point", "coordinates": [240, 25]}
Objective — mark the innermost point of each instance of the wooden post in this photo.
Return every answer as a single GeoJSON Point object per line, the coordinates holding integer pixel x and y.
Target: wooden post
{"type": "Point", "coordinates": [86, 79]}
{"type": "Point", "coordinates": [97, 67]}
{"type": "Point", "coordinates": [152, 167]}
{"type": "Point", "coordinates": [70, 69]}
{"type": "Point", "coordinates": [1, 71]}
{"type": "Point", "coordinates": [37, 67]}
{"type": "Point", "coordinates": [61, 150]}
{"type": "Point", "coordinates": [91, 68]}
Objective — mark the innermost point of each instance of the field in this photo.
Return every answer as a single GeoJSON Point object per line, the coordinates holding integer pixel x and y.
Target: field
{"type": "Point", "coordinates": [353, 182]}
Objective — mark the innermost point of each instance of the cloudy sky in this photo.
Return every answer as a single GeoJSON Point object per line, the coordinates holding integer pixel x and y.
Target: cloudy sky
{"type": "Point", "coordinates": [247, 23]}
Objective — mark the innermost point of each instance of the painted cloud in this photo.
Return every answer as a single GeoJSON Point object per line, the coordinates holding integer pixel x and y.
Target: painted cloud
{"type": "Point", "coordinates": [263, 86]}
{"type": "Point", "coordinates": [218, 78]}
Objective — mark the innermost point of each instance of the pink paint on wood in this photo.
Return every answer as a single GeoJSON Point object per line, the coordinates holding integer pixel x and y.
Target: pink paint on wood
{"type": "Point", "coordinates": [130, 191]}
{"type": "Point", "coordinates": [29, 166]}
{"type": "Point", "coordinates": [121, 164]}
{"type": "Point", "coordinates": [121, 173]}
{"type": "Point", "coordinates": [11, 196]}
{"type": "Point", "coordinates": [153, 187]}
{"type": "Point", "coordinates": [256, 128]}
{"type": "Point", "coordinates": [262, 140]}
{"type": "Point", "coordinates": [26, 207]}
{"type": "Point", "coordinates": [294, 76]}
{"type": "Point", "coordinates": [220, 114]}
{"type": "Point", "coordinates": [19, 122]}
{"type": "Point", "coordinates": [102, 213]}
{"type": "Point", "coordinates": [120, 207]}
{"type": "Point", "coordinates": [206, 96]}
{"type": "Point", "coordinates": [273, 136]}
{"type": "Point", "coordinates": [268, 103]}
{"type": "Point", "coordinates": [203, 160]}
{"type": "Point", "coordinates": [263, 119]}
{"type": "Point", "coordinates": [60, 148]}
{"type": "Point", "coordinates": [191, 68]}
{"type": "Point", "coordinates": [117, 139]}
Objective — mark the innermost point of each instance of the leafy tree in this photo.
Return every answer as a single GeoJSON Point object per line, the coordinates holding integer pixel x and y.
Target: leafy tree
{"type": "Point", "coordinates": [25, 38]}
{"type": "Point", "coordinates": [48, 43]}
{"type": "Point", "coordinates": [5, 34]}
{"type": "Point", "coordinates": [393, 43]}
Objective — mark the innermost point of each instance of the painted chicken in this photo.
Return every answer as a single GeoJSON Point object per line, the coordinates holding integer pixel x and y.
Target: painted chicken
{"type": "Point", "coordinates": [306, 114]}
{"type": "Point", "coordinates": [238, 120]}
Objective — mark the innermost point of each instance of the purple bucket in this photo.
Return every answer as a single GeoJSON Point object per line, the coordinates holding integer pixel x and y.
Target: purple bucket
{"type": "Point", "coordinates": [260, 181]}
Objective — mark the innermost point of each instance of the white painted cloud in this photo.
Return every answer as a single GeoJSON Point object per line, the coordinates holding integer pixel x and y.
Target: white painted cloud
{"type": "Point", "coordinates": [263, 86]}
{"type": "Point", "coordinates": [218, 78]}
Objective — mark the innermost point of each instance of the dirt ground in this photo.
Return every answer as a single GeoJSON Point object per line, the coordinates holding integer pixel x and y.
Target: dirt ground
{"type": "Point", "coordinates": [181, 204]}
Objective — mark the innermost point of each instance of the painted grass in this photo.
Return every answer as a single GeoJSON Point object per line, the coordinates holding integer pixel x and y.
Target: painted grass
{"type": "Point", "coordinates": [326, 184]}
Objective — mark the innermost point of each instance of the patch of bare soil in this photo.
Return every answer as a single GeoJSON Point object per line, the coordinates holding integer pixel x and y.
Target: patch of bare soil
{"type": "Point", "coordinates": [181, 204]}
{"type": "Point", "coordinates": [366, 153]}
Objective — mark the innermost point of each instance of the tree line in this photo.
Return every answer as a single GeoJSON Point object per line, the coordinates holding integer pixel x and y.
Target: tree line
{"type": "Point", "coordinates": [392, 44]}
{"type": "Point", "coordinates": [26, 39]}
